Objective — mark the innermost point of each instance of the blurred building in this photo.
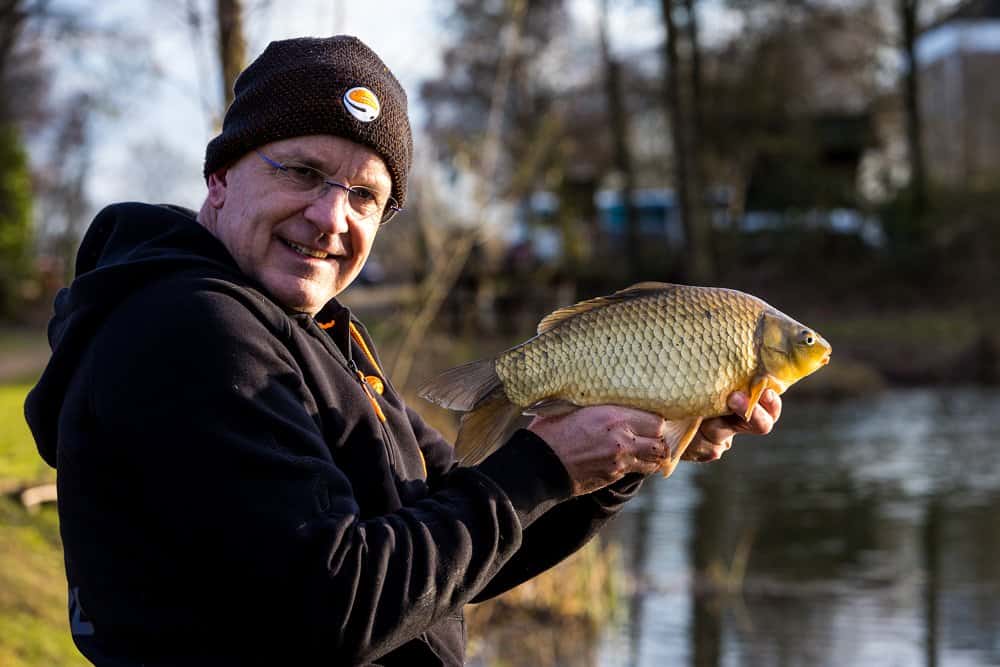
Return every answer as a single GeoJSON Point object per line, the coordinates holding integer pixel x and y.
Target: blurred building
{"type": "Point", "coordinates": [959, 67]}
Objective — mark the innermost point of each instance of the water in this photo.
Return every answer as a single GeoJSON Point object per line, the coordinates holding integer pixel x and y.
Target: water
{"type": "Point", "coordinates": [872, 534]}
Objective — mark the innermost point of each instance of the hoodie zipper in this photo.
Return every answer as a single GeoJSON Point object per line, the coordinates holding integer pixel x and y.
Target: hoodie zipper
{"type": "Point", "coordinates": [386, 437]}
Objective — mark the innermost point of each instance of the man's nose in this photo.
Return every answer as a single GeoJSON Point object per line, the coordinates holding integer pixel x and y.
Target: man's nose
{"type": "Point", "coordinates": [329, 212]}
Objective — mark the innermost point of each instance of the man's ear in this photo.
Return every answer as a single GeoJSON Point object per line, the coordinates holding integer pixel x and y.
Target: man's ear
{"type": "Point", "coordinates": [217, 187]}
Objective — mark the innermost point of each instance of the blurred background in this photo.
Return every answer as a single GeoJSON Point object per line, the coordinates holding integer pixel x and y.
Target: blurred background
{"type": "Point", "coordinates": [838, 158]}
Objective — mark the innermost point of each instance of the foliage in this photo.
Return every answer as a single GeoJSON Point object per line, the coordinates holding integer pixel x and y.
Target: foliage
{"type": "Point", "coordinates": [949, 251]}
{"type": "Point", "coordinates": [459, 101]}
{"type": "Point", "coordinates": [15, 219]}
{"type": "Point", "coordinates": [558, 613]}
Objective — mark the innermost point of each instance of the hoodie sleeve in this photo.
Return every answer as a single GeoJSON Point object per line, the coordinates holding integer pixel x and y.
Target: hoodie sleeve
{"type": "Point", "coordinates": [237, 502]}
{"type": "Point", "coordinates": [560, 532]}
{"type": "Point", "coordinates": [438, 452]}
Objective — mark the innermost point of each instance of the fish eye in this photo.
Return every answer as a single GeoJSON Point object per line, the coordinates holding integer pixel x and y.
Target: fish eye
{"type": "Point", "coordinates": [808, 338]}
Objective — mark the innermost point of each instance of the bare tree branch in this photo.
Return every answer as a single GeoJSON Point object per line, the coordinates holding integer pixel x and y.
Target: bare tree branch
{"type": "Point", "coordinates": [232, 45]}
{"type": "Point", "coordinates": [446, 269]}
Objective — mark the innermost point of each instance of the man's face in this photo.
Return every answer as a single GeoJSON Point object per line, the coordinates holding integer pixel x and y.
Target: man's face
{"type": "Point", "coordinates": [261, 221]}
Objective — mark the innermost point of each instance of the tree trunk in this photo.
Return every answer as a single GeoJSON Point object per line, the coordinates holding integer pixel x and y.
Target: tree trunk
{"type": "Point", "coordinates": [12, 17]}
{"type": "Point", "coordinates": [697, 112]}
{"type": "Point", "coordinates": [700, 212]}
{"type": "Point", "coordinates": [698, 257]}
{"type": "Point", "coordinates": [618, 122]}
{"type": "Point", "coordinates": [232, 45]}
{"type": "Point", "coordinates": [908, 12]}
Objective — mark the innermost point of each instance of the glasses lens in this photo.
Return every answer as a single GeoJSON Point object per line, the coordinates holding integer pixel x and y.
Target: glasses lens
{"type": "Point", "coordinates": [303, 179]}
{"type": "Point", "coordinates": [391, 209]}
{"type": "Point", "coordinates": [363, 201]}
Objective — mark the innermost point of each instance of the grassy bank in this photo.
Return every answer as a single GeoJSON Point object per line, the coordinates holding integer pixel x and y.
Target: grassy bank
{"type": "Point", "coordinates": [34, 630]}
{"type": "Point", "coordinates": [19, 460]}
{"type": "Point", "coordinates": [33, 624]}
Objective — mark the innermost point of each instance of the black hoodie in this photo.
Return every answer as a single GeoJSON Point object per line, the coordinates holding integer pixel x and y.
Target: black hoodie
{"type": "Point", "coordinates": [232, 491]}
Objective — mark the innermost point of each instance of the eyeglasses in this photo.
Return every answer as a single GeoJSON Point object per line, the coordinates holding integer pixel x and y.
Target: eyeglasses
{"type": "Point", "coordinates": [311, 183]}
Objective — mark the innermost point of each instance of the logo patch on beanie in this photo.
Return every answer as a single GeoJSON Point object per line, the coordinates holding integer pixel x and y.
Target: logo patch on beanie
{"type": "Point", "coordinates": [361, 103]}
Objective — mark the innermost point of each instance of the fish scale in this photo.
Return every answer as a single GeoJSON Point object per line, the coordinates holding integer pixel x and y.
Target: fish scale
{"type": "Point", "coordinates": [676, 359]}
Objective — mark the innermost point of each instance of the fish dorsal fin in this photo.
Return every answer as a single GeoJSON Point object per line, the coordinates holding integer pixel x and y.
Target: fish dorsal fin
{"type": "Point", "coordinates": [633, 292]}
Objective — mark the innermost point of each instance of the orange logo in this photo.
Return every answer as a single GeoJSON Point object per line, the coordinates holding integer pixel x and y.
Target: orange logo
{"type": "Point", "coordinates": [362, 104]}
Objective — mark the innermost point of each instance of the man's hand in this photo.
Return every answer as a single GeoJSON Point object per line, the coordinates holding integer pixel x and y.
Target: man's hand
{"type": "Point", "coordinates": [600, 444]}
{"type": "Point", "coordinates": [716, 435]}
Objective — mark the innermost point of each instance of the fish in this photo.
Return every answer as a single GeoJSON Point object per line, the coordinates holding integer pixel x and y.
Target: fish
{"type": "Point", "coordinates": [674, 350]}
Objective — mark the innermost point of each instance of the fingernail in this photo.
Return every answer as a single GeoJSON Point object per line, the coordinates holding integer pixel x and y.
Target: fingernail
{"type": "Point", "coordinates": [770, 396]}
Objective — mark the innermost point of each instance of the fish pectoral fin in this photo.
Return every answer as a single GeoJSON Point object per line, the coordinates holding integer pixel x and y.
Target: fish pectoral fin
{"type": "Point", "coordinates": [678, 436]}
{"type": "Point", "coordinates": [551, 407]}
{"type": "Point", "coordinates": [486, 428]}
{"type": "Point", "coordinates": [758, 385]}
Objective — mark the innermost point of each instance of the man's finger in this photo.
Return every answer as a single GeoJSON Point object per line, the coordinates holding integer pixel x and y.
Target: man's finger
{"type": "Point", "coordinates": [764, 414]}
{"type": "Point", "coordinates": [762, 419]}
{"type": "Point", "coordinates": [643, 424]}
{"type": "Point", "coordinates": [720, 428]}
{"type": "Point", "coordinates": [650, 450]}
{"type": "Point", "coordinates": [772, 403]}
{"type": "Point", "coordinates": [703, 450]}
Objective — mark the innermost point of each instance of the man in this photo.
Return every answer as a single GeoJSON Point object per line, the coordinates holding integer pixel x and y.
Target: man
{"type": "Point", "coordinates": [238, 480]}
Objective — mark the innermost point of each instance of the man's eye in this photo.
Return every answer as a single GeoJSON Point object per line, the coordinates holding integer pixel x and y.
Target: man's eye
{"type": "Point", "coordinates": [364, 193]}
{"type": "Point", "coordinates": [303, 175]}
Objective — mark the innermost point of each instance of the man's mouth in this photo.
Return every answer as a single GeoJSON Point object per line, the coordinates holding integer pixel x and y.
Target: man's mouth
{"type": "Point", "coordinates": [302, 250]}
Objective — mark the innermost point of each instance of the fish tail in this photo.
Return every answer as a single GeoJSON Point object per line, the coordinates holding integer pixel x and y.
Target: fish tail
{"type": "Point", "coordinates": [462, 387]}
{"type": "Point", "coordinates": [486, 427]}
{"type": "Point", "coordinates": [476, 389]}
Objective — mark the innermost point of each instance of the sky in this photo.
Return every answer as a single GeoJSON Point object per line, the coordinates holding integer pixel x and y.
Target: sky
{"type": "Point", "coordinates": [153, 147]}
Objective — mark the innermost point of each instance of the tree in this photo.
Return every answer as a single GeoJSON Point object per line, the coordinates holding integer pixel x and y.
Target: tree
{"type": "Point", "coordinates": [15, 219]}
{"type": "Point", "coordinates": [15, 175]}
{"type": "Point", "coordinates": [788, 102]}
{"type": "Point", "coordinates": [458, 103]}
{"type": "Point", "coordinates": [908, 11]}
{"type": "Point", "coordinates": [232, 45]}
{"type": "Point", "coordinates": [618, 122]}
{"type": "Point", "coordinates": [690, 194]}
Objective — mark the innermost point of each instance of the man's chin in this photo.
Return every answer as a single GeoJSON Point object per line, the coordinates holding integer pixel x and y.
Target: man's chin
{"type": "Point", "coordinates": [304, 299]}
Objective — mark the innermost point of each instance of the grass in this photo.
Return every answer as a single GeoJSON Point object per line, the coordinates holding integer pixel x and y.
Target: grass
{"type": "Point", "coordinates": [19, 460]}
{"type": "Point", "coordinates": [34, 630]}
{"type": "Point", "coordinates": [555, 618]}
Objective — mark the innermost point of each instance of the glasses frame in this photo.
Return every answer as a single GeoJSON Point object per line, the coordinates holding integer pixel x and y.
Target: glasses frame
{"type": "Point", "coordinates": [388, 213]}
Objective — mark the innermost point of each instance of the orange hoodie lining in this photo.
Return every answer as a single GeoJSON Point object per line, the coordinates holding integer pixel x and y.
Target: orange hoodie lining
{"type": "Point", "coordinates": [356, 335]}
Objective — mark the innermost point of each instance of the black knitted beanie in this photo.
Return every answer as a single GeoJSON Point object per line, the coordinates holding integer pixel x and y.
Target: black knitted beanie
{"type": "Point", "coordinates": [308, 85]}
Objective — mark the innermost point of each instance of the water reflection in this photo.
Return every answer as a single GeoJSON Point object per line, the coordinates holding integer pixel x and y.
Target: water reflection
{"type": "Point", "coordinates": [872, 534]}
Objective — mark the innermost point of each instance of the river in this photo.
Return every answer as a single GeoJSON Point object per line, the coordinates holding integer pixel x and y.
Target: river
{"type": "Point", "coordinates": [860, 532]}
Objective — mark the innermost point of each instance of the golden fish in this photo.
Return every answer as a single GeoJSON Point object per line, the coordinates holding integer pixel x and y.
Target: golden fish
{"type": "Point", "coordinates": [675, 350]}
